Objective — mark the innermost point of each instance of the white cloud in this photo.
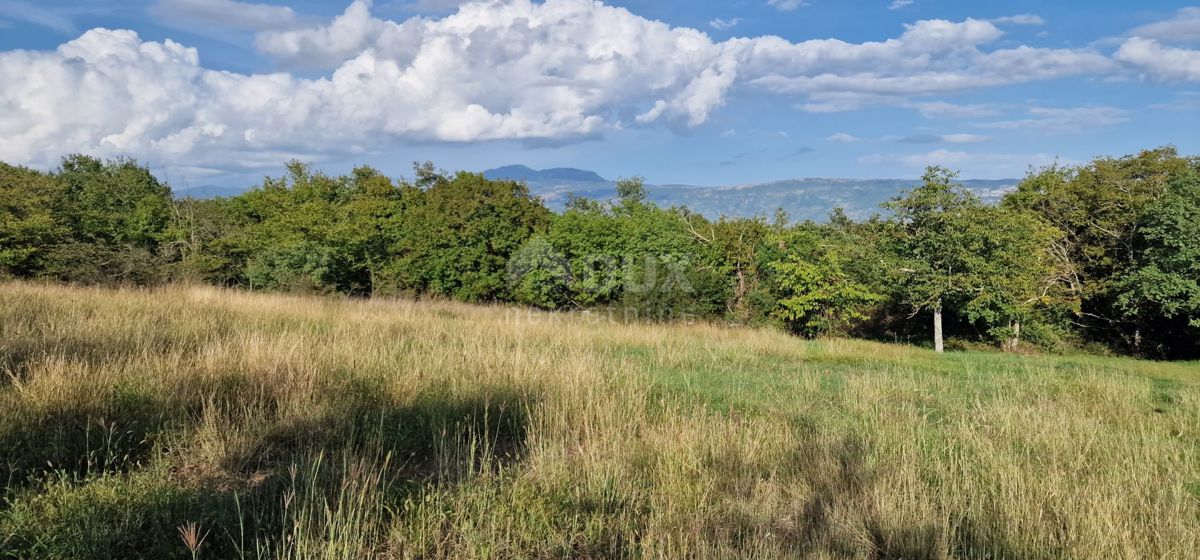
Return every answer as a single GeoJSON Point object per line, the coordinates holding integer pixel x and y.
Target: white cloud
{"type": "Point", "coordinates": [787, 5]}
{"type": "Point", "coordinates": [843, 138]}
{"type": "Point", "coordinates": [932, 56]}
{"type": "Point", "coordinates": [226, 13]}
{"type": "Point", "coordinates": [346, 36]}
{"type": "Point", "coordinates": [1160, 62]}
{"type": "Point", "coordinates": [558, 70]}
{"type": "Point", "coordinates": [21, 10]}
{"type": "Point", "coordinates": [1184, 27]}
{"type": "Point", "coordinates": [723, 24]}
{"type": "Point", "coordinates": [1020, 19]}
{"type": "Point", "coordinates": [900, 4]}
{"type": "Point", "coordinates": [1063, 119]}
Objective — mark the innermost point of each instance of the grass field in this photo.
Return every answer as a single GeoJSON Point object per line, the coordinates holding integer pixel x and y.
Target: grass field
{"type": "Point", "coordinates": [133, 422]}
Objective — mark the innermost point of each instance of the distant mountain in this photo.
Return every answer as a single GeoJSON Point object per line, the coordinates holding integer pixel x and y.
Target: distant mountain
{"type": "Point", "coordinates": [802, 199]}
{"type": "Point", "coordinates": [523, 173]}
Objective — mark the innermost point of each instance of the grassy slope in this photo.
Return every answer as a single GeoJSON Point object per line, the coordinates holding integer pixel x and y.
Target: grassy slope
{"type": "Point", "coordinates": [311, 428]}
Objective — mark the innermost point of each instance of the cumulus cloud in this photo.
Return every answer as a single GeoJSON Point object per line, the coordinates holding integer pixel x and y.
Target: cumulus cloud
{"type": "Point", "coordinates": [932, 56]}
{"type": "Point", "coordinates": [1160, 62]}
{"type": "Point", "coordinates": [553, 71]}
{"type": "Point", "coordinates": [1183, 27]}
{"type": "Point", "coordinates": [226, 13]}
{"type": "Point", "coordinates": [842, 138]}
{"type": "Point", "coordinates": [346, 36]}
{"type": "Point", "coordinates": [1158, 50]}
{"type": "Point", "coordinates": [899, 4]}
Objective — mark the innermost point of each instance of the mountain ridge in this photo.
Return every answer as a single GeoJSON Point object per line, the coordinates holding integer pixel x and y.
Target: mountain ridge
{"type": "Point", "coordinates": [525, 173]}
{"type": "Point", "coordinates": [807, 198]}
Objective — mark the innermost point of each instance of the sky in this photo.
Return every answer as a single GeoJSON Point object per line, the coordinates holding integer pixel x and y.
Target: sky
{"type": "Point", "coordinates": [224, 92]}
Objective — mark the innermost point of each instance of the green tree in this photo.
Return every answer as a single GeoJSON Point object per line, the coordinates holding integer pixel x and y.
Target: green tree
{"type": "Point", "coordinates": [290, 238]}
{"type": "Point", "coordinates": [1014, 274]}
{"type": "Point", "coordinates": [936, 239]}
{"type": "Point", "coordinates": [364, 226]}
{"type": "Point", "coordinates": [731, 247]}
{"type": "Point", "coordinates": [589, 238]}
{"type": "Point", "coordinates": [540, 275]}
{"type": "Point", "coordinates": [30, 226]}
{"type": "Point", "coordinates": [117, 202]}
{"type": "Point", "coordinates": [116, 215]}
{"type": "Point", "coordinates": [1162, 290]}
{"type": "Point", "coordinates": [457, 234]}
{"type": "Point", "coordinates": [820, 297]}
{"type": "Point", "coordinates": [1099, 208]}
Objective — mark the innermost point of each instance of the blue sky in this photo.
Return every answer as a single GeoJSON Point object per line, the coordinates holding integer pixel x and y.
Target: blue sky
{"type": "Point", "coordinates": [222, 92]}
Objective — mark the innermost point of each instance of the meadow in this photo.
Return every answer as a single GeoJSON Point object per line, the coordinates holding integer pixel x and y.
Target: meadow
{"type": "Point", "coordinates": [196, 422]}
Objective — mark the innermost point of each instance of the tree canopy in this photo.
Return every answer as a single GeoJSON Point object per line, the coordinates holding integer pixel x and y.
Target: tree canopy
{"type": "Point", "coordinates": [1106, 253]}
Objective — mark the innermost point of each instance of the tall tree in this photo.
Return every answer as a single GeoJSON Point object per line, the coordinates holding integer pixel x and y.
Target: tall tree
{"type": "Point", "coordinates": [935, 239]}
{"type": "Point", "coordinates": [1162, 290]}
{"type": "Point", "coordinates": [1099, 208]}
{"type": "Point", "coordinates": [30, 225]}
{"type": "Point", "coordinates": [819, 297]}
{"type": "Point", "coordinates": [118, 214]}
{"type": "Point", "coordinates": [1014, 272]}
{"type": "Point", "coordinates": [458, 233]}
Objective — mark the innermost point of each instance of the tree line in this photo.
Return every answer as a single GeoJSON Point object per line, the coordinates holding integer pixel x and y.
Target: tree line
{"type": "Point", "coordinates": [1102, 256]}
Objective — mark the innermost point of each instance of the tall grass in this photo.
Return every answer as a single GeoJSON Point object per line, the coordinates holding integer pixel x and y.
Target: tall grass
{"type": "Point", "coordinates": [292, 427]}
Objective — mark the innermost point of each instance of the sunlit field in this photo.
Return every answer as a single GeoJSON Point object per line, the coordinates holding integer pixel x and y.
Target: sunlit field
{"type": "Point", "coordinates": [195, 422]}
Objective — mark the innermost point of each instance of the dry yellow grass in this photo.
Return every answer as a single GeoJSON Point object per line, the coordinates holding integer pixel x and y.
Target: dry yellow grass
{"type": "Point", "coordinates": [297, 427]}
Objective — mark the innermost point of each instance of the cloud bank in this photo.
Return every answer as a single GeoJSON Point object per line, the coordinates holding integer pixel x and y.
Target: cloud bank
{"type": "Point", "coordinates": [556, 71]}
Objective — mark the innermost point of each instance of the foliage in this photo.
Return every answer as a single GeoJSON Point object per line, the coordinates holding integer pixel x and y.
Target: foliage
{"type": "Point", "coordinates": [1100, 209]}
{"type": "Point", "coordinates": [1099, 254]}
{"type": "Point", "coordinates": [820, 297]}
{"type": "Point", "coordinates": [457, 234]}
{"type": "Point", "coordinates": [938, 235]}
{"type": "Point", "coordinates": [1014, 273]}
{"type": "Point", "coordinates": [91, 221]}
{"type": "Point", "coordinates": [540, 275]}
{"type": "Point", "coordinates": [29, 225]}
{"type": "Point", "coordinates": [1163, 288]}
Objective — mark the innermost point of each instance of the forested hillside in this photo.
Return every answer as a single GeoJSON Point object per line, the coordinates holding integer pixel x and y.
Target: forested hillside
{"type": "Point", "coordinates": [1103, 256]}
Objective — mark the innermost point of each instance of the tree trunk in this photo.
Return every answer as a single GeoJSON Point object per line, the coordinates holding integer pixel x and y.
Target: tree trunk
{"type": "Point", "coordinates": [1015, 341]}
{"type": "Point", "coordinates": [739, 301]}
{"type": "Point", "coordinates": [938, 345]}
